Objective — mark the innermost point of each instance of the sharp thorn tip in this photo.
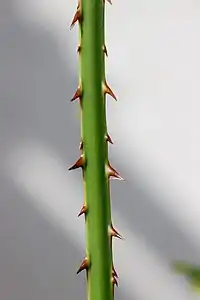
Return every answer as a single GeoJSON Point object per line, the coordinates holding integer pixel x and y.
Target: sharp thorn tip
{"type": "Point", "coordinates": [83, 210]}
{"type": "Point", "coordinates": [114, 281]}
{"type": "Point", "coordinates": [115, 233]}
{"type": "Point", "coordinates": [108, 139]}
{"type": "Point", "coordinates": [84, 265]}
{"type": "Point", "coordinates": [107, 90]}
{"type": "Point", "coordinates": [81, 146]}
{"type": "Point", "coordinates": [78, 164]}
{"type": "Point", "coordinates": [109, 1]}
{"type": "Point", "coordinates": [113, 173]}
{"type": "Point", "coordinates": [77, 17]}
{"type": "Point", "coordinates": [79, 48]}
{"type": "Point", "coordinates": [105, 50]}
{"type": "Point", "coordinates": [114, 273]}
{"type": "Point", "coordinates": [78, 94]}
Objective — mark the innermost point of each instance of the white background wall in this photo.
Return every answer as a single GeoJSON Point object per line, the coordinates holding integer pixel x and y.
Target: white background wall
{"type": "Point", "coordinates": [153, 67]}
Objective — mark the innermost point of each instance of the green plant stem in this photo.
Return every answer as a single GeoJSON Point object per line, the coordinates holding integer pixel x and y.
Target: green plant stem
{"type": "Point", "coordinates": [95, 151]}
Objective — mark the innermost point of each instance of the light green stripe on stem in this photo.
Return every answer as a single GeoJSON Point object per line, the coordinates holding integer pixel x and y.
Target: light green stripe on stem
{"type": "Point", "coordinates": [95, 150]}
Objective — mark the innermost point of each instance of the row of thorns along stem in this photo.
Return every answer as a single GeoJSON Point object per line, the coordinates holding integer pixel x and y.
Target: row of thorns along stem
{"type": "Point", "coordinates": [80, 163]}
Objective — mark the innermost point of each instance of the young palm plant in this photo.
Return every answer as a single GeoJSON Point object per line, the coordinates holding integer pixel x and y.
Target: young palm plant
{"type": "Point", "coordinates": [93, 160]}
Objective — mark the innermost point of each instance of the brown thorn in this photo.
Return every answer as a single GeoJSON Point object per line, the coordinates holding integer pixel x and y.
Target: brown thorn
{"type": "Point", "coordinates": [79, 4]}
{"type": "Point", "coordinates": [114, 273]}
{"type": "Point", "coordinates": [109, 1]}
{"type": "Point", "coordinates": [78, 94]}
{"type": "Point", "coordinates": [78, 164]}
{"type": "Point", "coordinates": [113, 173]}
{"type": "Point", "coordinates": [83, 266]}
{"type": "Point", "coordinates": [107, 90]}
{"type": "Point", "coordinates": [115, 233]}
{"type": "Point", "coordinates": [79, 49]}
{"type": "Point", "coordinates": [114, 281]}
{"type": "Point", "coordinates": [81, 146]}
{"type": "Point", "coordinates": [77, 17]}
{"type": "Point", "coordinates": [105, 50]}
{"type": "Point", "coordinates": [83, 210]}
{"type": "Point", "coordinates": [108, 139]}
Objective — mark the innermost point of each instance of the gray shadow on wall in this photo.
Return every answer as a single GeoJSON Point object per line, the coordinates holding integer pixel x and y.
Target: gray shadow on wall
{"type": "Point", "coordinates": [37, 262]}
{"type": "Point", "coordinates": [36, 259]}
{"type": "Point", "coordinates": [35, 88]}
{"type": "Point", "coordinates": [136, 204]}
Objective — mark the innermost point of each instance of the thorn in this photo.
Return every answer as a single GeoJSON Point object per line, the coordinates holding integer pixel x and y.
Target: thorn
{"type": "Point", "coordinates": [108, 139]}
{"type": "Point", "coordinates": [83, 210]}
{"type": "Point", "coordinates": [109, 1]}
{"type": "Point", "coordinates": [83, 266]}
{"type": "Point", "coordinates": [105, 50]}
{"type": "Point", "coordinates": [78, 164]}
{"type": "Point", "coordinates": [78, 94]}
{"type": "Point", "coordinates": [114, 273]}
{"type": "Point", "coordinates": [113, 173]}
{"type": "Point", "coordinates": [107, 90]}
{"type": "Point", "coordinates": [81, 146]}
{"type": "Point", "coordinates": [114, 281]}
{"type": "Point", "coordinates": [79, 4]}
{"type": "Point", "coordinates": [77, 17]}
{"type": "Point", "coordinates": [115, 233]}
{"type": "Point", "coordinates": [79, 49]}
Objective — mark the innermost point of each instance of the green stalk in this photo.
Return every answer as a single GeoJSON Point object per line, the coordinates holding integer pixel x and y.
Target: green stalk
{"type": "Point", "coordinates": [94, 158]}
{"type": "Point", "coordinates": [93, 124]}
